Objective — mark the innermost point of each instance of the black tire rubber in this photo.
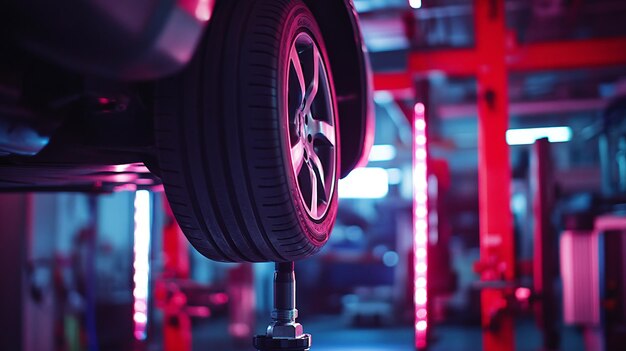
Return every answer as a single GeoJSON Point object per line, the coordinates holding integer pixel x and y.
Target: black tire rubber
{"type": "Point", "coordinates": [222, 138]}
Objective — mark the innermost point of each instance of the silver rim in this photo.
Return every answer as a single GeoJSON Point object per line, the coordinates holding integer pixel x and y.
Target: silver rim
{"type": "Point", "coordinates": [312, 130]}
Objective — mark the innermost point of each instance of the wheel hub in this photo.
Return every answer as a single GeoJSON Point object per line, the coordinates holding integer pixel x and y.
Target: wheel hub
{"type": "Point", "coordinates": [312, 127]}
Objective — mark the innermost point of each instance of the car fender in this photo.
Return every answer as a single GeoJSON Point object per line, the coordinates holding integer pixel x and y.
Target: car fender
{"type": "Point", "coordinates": [339, 23]}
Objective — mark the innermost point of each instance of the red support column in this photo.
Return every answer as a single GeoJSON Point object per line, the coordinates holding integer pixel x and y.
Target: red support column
{"type": "Point", "coordinates": [494, 172]}
{"type": "Point", "coordinates": [175, 247]}
{"type": "Point", "coordinates": [176, 322]}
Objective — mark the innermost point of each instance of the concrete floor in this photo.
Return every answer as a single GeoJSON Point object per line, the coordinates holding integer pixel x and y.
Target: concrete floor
{"type": "Point", "coordinates": [330, 334]}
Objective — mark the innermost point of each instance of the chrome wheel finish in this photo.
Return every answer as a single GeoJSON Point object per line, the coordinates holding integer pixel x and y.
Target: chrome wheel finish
{"type": "Point", "coordinates": [312, 127]}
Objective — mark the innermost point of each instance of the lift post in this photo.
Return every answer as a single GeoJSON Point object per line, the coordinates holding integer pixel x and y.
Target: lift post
{"type": "Point", "coordinates": [177, 323]}
{"type": "Point", "coordinates": [284, 333]}
{"type": "Point", "coordinates": [497, 259]}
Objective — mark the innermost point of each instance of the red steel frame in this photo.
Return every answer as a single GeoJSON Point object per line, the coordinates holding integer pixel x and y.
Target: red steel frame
{"type": "Point", "coordinates": [497, 254]}
{"type": "Point", "coordinates": [176, 335]}
{"type": "Point", "coordinates": [554, 55]}
{"type": "Point", "coordinates": [494, 55]}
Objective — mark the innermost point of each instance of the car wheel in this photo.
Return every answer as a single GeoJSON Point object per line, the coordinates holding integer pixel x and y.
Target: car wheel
{"type": "Point", "coordinates": [248, 137]}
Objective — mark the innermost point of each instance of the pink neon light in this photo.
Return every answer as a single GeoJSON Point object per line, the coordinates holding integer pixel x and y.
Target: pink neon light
{"type": "Point", "coordinates": [421, 268]}
{"type": "Point", "coordinates": [421, 253]}
{"type": "Point", "coordinates": [219, 298]}
{"type": "Point", "coordinates": [420, 109]}
{"type": "Point", "coordinates": [420, 125]}
{"type": "Point", "coordinates": [522, 294]}
{"type": "Point", "coordinates": [203, 10]}
{"type": "Point", "coordinates": [420, 224]}
{"type": "Point", "coordinates": [141, 263]}
{"type": "Point", "coordinates": [420, 296]}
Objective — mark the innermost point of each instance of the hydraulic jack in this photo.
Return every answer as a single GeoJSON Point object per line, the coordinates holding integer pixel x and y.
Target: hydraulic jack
{"type": "Point", "coordinates": [284, 333]}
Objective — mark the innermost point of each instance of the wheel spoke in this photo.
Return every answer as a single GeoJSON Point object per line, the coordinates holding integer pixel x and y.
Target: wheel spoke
{"type": "Point", "coordinates": [297, 65]}
{"type": "Point", "coordinates": [297, 156]}
{"type": "Point", "coordinates": [323, 128]}
{"type": "Point", "coordinates": [313, 178]}
{"type": "Point", "coordinates": [311, 91]}
{"type": "Point", "coordinates": [316, 163]}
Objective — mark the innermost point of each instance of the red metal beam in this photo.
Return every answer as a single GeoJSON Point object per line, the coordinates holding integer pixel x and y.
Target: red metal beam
{"type": "Point", "coordinates": [393, 81]}
{"type": "Point", "coordinates": [533, 57]}
{"type": "Point", "coordinates": [527, 108]}
{"type": "Point", "coordinates": [456, 62]}
{"type": "Point", "coordinates": [568, 55]}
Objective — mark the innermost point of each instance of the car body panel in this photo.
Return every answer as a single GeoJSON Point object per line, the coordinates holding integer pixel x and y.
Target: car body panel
{"type": "Point", "coordinates": [117, 39]}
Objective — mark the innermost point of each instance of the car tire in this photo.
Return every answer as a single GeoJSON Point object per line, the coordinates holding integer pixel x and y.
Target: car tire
{"type": "Point", "coordinates": [248, 142]}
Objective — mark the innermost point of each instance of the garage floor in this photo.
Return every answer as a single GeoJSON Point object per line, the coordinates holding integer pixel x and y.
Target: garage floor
{"type": "Point", "coordinates": [329, 334]}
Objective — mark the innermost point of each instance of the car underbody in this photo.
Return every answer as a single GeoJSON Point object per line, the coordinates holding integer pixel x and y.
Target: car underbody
{"type": "Point", "coordinates": [70, 119]}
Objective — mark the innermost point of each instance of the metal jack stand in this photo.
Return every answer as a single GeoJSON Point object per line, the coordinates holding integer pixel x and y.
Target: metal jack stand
{"type": "Point", "coordinates": [283, 333]}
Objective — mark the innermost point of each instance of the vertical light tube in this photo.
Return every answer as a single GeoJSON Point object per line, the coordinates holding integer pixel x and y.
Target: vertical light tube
{"type": "Point", "coordinates": [141, 263]}
{"type": "Point", "coordinates": [420, 225]}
